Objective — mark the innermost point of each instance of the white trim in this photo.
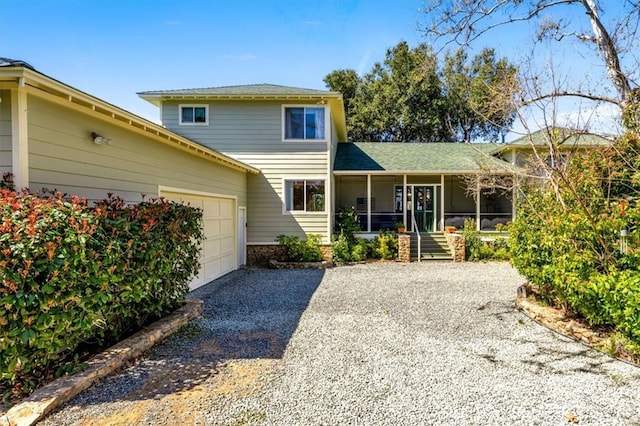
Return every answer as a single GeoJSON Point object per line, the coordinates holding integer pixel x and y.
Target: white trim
{"type": "Point", "coordinates": [368, 203]}
{"type": "Point", "coordinates": [19, 138]}
{"type": "Point", "coordinates": [410, 172]}
{"type": "Point", "coordinates": [206, 114]}
{"type": "Point", "coordinates": [303, 212]}
{"type": "Point", "coordinates": [327, 127]}
{"type": "Point", "coordinates": [244, 234]}
{"type": "Point", "coordinates": [193, 192]}
{"type": "Point", "coordinates": [442, 202]}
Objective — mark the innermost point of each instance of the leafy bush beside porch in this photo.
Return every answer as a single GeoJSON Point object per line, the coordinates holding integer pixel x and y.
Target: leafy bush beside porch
{"type": "Point", "coordinates": [73, 276]}
{"type": "Point", "coordinates": [567, 238]}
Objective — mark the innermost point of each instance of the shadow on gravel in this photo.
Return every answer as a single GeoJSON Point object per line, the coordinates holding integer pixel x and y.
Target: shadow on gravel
{"type": "Point", "coordinates": [248, 315]}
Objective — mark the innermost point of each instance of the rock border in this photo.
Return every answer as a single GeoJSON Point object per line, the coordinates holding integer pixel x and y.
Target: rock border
{"type": "Point", "coordinates": [274, 264]}
{"type": "Point", "coordinates": [555, 320]}
{"type": "Point", "coordinates": [52, 395]}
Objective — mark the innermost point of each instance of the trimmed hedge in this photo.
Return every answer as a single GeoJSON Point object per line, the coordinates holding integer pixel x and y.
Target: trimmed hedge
{"type": "Point", "coordinates": [73, 275]}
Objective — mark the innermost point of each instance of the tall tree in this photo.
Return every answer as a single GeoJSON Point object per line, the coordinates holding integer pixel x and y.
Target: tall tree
{"type": "Point", "coordinates": [406, 99]}
{"type": "Point", "coordinates": [399, 100]}
{"type": "Point", "coordinates": [479, 95]}
{"type": "Point", "coordinates": [608, 29]}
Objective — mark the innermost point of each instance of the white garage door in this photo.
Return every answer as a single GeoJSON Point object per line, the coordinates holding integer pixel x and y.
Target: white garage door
{"type": "Point", "coordinates": [218, 255]}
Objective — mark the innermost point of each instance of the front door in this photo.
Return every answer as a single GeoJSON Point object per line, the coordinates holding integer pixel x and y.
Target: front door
{"type": "Point", "coordinates": [424, 207]}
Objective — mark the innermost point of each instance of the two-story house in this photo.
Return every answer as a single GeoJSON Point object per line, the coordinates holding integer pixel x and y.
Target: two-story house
{"type": "Point", "coordinates": [289, 134]}
{"type": "Point", "coordinates": [260, 160]}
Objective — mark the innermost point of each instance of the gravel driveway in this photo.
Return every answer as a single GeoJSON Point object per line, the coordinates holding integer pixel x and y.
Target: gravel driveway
{"type": "Point", "coordinates": [389, 344]}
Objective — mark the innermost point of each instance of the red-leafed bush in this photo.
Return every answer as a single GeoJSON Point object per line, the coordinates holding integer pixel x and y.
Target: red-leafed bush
{"type": "Point", "coordinates": [74, 275]}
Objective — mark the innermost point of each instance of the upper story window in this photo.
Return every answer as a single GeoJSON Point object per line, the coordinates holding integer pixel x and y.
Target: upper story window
{"type": "Point", "coordinates": [194, 114]}
{"type": "Point", "coordinates": [305, 123]}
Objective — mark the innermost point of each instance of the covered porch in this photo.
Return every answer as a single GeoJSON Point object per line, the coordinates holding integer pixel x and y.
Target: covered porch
{"type": "Point", "coordinates": [421, 185]}
{"type": "Point", "coordinates": [423, 202]}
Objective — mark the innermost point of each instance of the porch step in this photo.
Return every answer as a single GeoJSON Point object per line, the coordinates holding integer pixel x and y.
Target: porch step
{"type": "Point", "coordinates": [433, 247]}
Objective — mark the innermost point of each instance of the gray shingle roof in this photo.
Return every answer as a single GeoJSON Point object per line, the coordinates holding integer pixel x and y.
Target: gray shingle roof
{"type": "Point", "coordinates": [243, 90]}
{"type": "Point", "coordinates": [417, 157]}
{"type": "Point", "coordinates": [567, 137]}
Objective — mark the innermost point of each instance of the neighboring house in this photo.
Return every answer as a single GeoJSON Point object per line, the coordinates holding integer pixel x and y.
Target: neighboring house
{"type": "Point", "coordinates": [55, 136]}
{"type": "Point", "coordinates": [536, 147]}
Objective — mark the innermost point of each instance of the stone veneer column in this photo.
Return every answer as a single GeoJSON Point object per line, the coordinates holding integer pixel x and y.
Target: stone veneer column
{"type": "Point", "coordinates": [404, 248]}
{"type": "Point", "coordinates": [457, 246]}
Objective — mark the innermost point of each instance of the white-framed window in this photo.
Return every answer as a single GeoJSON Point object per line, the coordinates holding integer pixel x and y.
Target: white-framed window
{"type": "Point", "coordinates": [304, 123]}
{"type": "Point", "coordinates": [304, 195]}
{"type": "Point", "coordinates": [194, 115]}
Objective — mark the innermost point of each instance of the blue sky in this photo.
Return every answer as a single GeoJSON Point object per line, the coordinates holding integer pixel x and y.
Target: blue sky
{"type": "Point", "coordinates": [115, 48]}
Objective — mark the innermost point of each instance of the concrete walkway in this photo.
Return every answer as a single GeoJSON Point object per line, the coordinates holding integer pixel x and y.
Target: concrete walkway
{"type": "Point", "coordinates": [389, 344]}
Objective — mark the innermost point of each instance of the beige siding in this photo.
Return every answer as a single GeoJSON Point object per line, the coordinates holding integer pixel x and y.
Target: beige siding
{"type": "Point", "coordinates": [252, 133]}
{"type": "Point", "coordinates": [5, 131]}
{"type": "Point", "coordinates": [63, 156]}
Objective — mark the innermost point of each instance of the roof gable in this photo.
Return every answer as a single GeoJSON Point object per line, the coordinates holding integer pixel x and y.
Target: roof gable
{"type": "Point", "coordinates": [257, 92]}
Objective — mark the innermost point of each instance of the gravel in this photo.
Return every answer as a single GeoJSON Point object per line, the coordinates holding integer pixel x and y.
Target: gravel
{"type": "Point", "coordinates": [381, 344]}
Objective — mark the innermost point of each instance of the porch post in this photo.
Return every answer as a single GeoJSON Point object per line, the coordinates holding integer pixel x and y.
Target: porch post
{"type": "Point", "coordinates": [404, 202]}
{"type": "Point", "coordinates": [514, 194]}
{"type": "Point", "coordinates": [19, 138]}
{"type": "Point", "coordinates": [442, 202]}
{"type": "Point", "coordinates": [369, 203]}
{"type": "Point", "coordinates": [478, 195]}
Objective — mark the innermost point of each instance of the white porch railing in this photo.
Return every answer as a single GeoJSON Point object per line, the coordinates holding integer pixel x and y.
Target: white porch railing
{"type": "Point", "coordinates": [414, 225]}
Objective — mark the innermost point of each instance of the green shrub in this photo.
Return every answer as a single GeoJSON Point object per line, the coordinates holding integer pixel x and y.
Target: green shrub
{"type": "Point", "coordinates": [347, 224]}
{"type": "Point", "coordinates": [341, 250]}
{"type": "Point", "coordinates": [566, 237]}
{"type": "Point", "coordinates": [361, 250]}
{"type": "Point", "coordinates": [301, 251]}
{"type": "Point", "coordinates": [471, 240]}
{"type": "Point", "coordinates": [72, 275]}
{"type": "Point", "coordinates": [385, 245]}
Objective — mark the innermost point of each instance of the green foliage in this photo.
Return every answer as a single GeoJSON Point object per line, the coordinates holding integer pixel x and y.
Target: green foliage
{"type": "Point", "coordinates": [477, 249]}
{"type": "Point", "coordinates": [361, 250]}
{"type": "Point", "coordinates": [566, 238]}
{"type": "Point", "coordinates": [407, 98]}
{"type": "Point", "coordinates": [385, 245]}
{"type": "Point", "coordinates": [471, 240]}
{"type": "Point", "coordinates": [301, 251]}
{"type": "Point", "coordinates": [72, 275]}
{"type": "Point", "coordinates": [479, 94]}
{"type": "Point", "coordinates": [341, 249]}
{"type": "Point", "coordinates": [348, 223]}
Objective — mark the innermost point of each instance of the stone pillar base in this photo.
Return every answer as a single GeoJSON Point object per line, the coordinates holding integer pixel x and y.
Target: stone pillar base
{"type": "Point", "coordinates": [404, 248]}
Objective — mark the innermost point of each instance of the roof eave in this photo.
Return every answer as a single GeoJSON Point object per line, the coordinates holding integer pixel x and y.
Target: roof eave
{"type": "Point", "coordinates": [39, 84]}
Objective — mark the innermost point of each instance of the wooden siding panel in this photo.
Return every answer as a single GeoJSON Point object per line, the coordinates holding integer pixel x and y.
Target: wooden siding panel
{"type": "Point", "coordinates": [63, 156]}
